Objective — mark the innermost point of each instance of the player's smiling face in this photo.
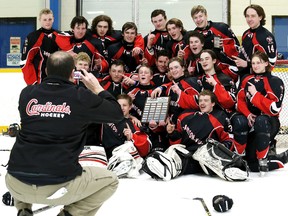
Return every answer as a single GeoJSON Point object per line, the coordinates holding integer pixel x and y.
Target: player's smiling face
{"type": "Point", "coordinates": [258, 65]}
{"type": "Point", "coordinates": [205, 104]}
{"type": "Point", "coordinates": [200, 20]}
{"type": "Point", "coordinates": [252, 18]}
{"type": "Point", "coordinates": [175, 32]}
{"type": "Point", "coordinates": [175, 69]}
{"type": "Point", "coordinates": [162, 63]}
{"type": "Point", "coordinates": [207, 62]}
{"type": "Point", "coordinates": [129, 35]}
{"type": "Point", "coordinates": [79, 30]}
{"type": "Point", "coordinates": [145, 75]}
{"type": "Point", "coordinates": [195, 45]}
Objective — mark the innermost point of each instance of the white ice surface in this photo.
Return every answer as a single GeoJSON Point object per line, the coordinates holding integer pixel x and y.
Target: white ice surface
{"type": "Point", "coordinates": [259, 196]}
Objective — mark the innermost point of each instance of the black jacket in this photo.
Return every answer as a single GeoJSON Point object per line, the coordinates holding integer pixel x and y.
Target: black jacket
{"type": "Point", "coordinates": [54, 117]}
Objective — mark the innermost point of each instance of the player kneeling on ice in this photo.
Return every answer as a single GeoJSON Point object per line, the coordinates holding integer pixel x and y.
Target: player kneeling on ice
{"type": "Point", "coordinates": [197, 131]}
{"type": "Point", "coordinates": [124, 142]}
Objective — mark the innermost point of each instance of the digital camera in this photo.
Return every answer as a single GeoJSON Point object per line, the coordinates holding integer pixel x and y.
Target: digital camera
{"type": "Point", "coordinates": [77, 75]}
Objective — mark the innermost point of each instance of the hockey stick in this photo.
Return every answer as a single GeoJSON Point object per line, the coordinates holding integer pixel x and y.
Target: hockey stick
{"type": "Point", "coordinates": [204, 205]}
{"type": "Point", "coordinates": [5, 149]}
{"type": "Point", "coordinates": [44, 208]}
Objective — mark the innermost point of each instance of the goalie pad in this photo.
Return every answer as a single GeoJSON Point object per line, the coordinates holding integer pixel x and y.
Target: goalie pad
{"type": "Point", "coordinates": [93, 156]}
{"type": "Point", "coordinates": [125, 161]}
{"type": "Point", "coordinates": [167, 165]}
{"type": "Point", "coordinates": [226, 164]}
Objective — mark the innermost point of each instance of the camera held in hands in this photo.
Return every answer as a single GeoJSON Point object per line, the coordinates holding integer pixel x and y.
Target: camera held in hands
{"type": "Point", "coordinates": [77, 74]}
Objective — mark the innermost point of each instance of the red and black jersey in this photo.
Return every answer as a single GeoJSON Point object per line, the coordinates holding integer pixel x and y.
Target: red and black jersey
{"type": "Point", "coordinates": [140, 93]}
{"type": "Point", "coordinates": [174, 46]}
{"type": "Point", "coordinates": [192, 62]}
{"type": "Point", "coordinates": [268, 98]}
{"type": "Point", "coordinates": [112, 137]}
{"type": "Point", "coordinates": [160, 40]}
{"type": "Point", "coordinates": [259, 39]}
{"type": "Point", "coordinates": [188, 98]}
{"type": "Point", "coordinates": [224, 90]}
{"type": "Point", "coordinates": [159, 78]}
{"type": "Point", "coordinates": [123, 51]}
{"type": "Point", "coordinates": [230, 41]}
{"type": "Point", "coordinates": [114, 88]}
{"type": "Point", "coordinates": [114, 37]}
{"type": "Point", "coordinates": [87, 44]}
{"type": "Point", "coordinates": [159, 43]}
{"type": "Point", "coordinates": [194, 127]}
{"type": "Point", "coordinates": [37, 48]}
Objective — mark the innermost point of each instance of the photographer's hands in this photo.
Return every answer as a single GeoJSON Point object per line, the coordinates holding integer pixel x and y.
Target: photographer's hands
{"type": "Point", "coordinates": [91, 82]}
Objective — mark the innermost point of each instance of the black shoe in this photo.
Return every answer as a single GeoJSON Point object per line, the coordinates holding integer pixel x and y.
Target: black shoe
{"type": "Point", "coordinates": [25, 212]}
{"type": "Point", "coordinates": [263, 166]}
{"type": "Point", "coordinates": [64, 213]}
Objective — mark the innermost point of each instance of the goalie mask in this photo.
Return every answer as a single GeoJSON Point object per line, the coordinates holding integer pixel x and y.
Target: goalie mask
{"type": "Point", "coordinates": [214, 156]}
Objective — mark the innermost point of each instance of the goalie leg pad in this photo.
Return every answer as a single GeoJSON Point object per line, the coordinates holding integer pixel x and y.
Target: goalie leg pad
{"type": "Point", "coordinates": [167, 165]}
{"type": "Point", "coordinates": [229, 167]}
{"type": "Point", "coordinates": [125, 161]}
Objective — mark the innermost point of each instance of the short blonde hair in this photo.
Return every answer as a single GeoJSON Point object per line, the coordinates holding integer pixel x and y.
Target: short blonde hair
{"type": "Point", "coordinates": [83, 56]}
{"type": "Point", "coordinates": [45, 11]}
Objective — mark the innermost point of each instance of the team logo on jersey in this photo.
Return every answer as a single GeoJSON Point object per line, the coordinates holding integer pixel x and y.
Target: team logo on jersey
{"type": "Point", "coordinates": [47, 110]}
{"type": "Point", "coordinates": [269, 40]}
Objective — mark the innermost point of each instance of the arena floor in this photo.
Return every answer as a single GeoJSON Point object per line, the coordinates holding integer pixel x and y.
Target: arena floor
{"type": "Point", "coordinates": [144, 196]}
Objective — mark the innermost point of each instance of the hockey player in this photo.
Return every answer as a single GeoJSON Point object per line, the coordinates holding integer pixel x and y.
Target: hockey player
{"type": "Point", "coordinates": [37, 47]}
{"type": "Point", "coordinates": [160, 70]}
{"type": "Point", "coordinates": [259, 103]}
{"type": "Point", "coordinates": [193, 128]}
{"type": "Point", "coordinates": [139, 94]}
{"type": "Point", "coordinates": [117, 82]}
{"type": "Point", "coordinates": [177, 33]}
{"type": "Point", "coordinates": [126, 49]}
{"type": "Point", "coordinates": [125, 144]}
{"type": "Point", "coordinates": [156, 40]}
{"type": "Point", "coordinates": [216, 81]}
{"type": "Point", "coordinates": [77, 40]}
{"type": "Point", "coordinates": [218, 36]}
{"type": "Point", "coordinates": [191, 54]}
{"type": "Point", "coordinates": [114, 135]}
{"type": "Point", "coordinates": [256, 38]}
{"type": "Point", "coordinates": [183, 91]}
{"type": "Point", "coordinates": [102, 29]}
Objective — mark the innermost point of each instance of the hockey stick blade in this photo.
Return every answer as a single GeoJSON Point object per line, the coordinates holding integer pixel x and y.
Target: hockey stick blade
{"type": "Point", "coordinates": [204, 205]}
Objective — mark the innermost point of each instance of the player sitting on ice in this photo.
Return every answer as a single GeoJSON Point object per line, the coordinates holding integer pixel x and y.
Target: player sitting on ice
{"type": "Point", "coordinates": [194, 154]}
{"type": "Point", "coordinates": [125, 144]}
